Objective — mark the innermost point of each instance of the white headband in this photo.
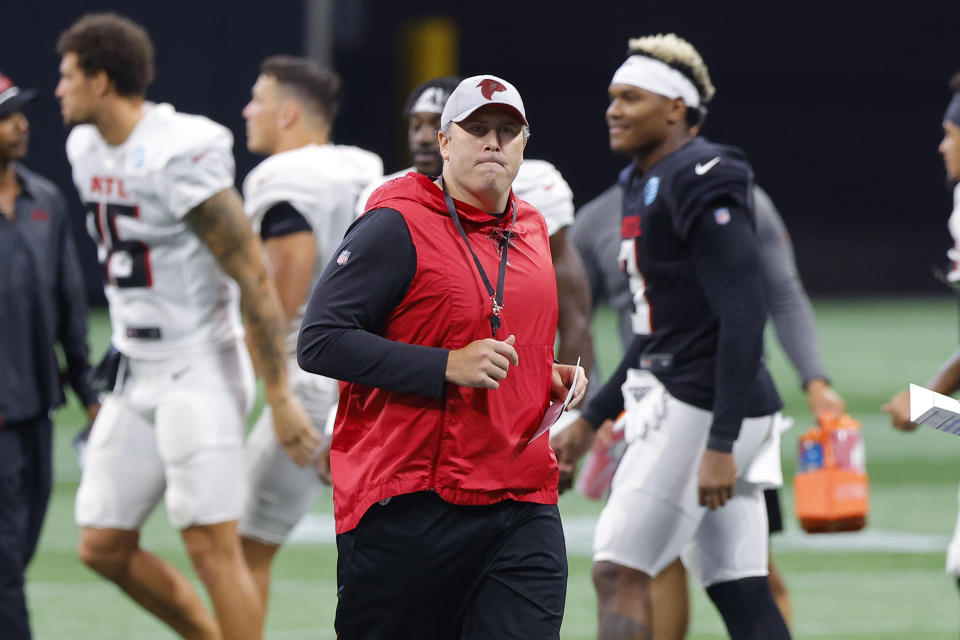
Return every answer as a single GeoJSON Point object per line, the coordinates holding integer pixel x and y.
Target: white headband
{"type": "Point", "coordinates": [430, 101]}
{"type": "Point", "coordinates": [658, 77]}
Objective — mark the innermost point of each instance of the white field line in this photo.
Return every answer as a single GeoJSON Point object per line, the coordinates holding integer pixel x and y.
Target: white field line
{"type": "Point", "coordinates": [319, 528]}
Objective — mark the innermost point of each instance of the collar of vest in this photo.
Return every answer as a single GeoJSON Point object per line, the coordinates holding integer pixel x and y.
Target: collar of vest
{"type": "Point", "coordinates": [421, 189]}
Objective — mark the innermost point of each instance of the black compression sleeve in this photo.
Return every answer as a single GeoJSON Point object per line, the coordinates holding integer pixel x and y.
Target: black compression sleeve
{"type": "Point", "coordinates": [282, 219]}
{"type": "Point", "coordinates": [366, 279]}
{"type": "Point", "coordinates": [728, 267]}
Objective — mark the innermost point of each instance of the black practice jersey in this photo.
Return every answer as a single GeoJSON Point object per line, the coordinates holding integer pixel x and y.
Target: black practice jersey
{"type": "Point", "coordinates": [690, 251]}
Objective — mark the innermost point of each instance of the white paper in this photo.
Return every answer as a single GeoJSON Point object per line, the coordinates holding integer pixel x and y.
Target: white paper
{"type": "Point", "coordinates": [935, 410]}
{"type": "Point", "coordinates": [556, 408]}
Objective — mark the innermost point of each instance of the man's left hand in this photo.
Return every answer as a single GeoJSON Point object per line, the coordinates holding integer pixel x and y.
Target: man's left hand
{"type": "Point", "coordinates": [717, 475]}
{"type": "Point", "coordinates": [563, 375]}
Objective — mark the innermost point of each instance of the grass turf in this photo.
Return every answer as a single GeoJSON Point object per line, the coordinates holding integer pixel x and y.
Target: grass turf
{"type": "Point", "coordinates": [872, 348]}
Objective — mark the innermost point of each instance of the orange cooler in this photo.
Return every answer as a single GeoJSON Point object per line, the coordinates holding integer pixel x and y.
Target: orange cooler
{"type": "Point", "coordinates": [831, 486]}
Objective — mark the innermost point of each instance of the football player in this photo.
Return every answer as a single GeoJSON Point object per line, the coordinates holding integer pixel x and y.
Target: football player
{"type": "Point", "coordinates": [947, 379]}
{"type": "Point", "coordinates": [180, 261]}
{"type": "Point", "coordinates": [596, 234]}
{"type": "Point", "coordinates": [300, 201]}
{"type": "Point", "coordinates": [701, 404]}
{"type": "Point", "coordinates": [540, 184]}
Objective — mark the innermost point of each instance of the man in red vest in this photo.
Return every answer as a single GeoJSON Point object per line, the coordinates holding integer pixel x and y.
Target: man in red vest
{"type": "Point", "coordinates": [438, 312]}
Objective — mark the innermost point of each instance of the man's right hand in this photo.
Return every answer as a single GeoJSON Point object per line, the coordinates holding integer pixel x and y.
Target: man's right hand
{"type": "Point", "coordinates": [482, 363]}
{"type": "Point", "coordinates": [823, 400]}
{"type": "Point", "coordinates": [716, 478]}
{"type": "Point", "coordinates": [299, 439]}
{"type": "Point", "coordinates": [569, 446]}
{"type": "Point", "coordinates": [899, 409]}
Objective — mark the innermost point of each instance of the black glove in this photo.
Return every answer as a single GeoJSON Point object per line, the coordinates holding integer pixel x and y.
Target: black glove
{"type": "Point", "coordinates": [103, 377]}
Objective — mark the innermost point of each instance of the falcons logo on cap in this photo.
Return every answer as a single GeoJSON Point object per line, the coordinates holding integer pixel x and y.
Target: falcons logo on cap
{"type": "Point", "coordinates": [488, 87]}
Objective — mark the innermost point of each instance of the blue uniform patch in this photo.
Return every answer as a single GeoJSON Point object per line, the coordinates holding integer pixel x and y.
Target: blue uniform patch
{"type": "Point", "coordinates": [722, 215]}
{"type": "Point", "coordinates": [650, 190]}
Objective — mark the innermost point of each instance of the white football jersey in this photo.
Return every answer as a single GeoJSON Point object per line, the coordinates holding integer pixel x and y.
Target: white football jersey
{"type": "Point", "coordinates": [373, 186]}
{"type": "Point", "coordinates": [322, 183]}
{"type": "Point", "coordinates": [166, 292]}
{"type": "Point", "coordinates": [538, 182]}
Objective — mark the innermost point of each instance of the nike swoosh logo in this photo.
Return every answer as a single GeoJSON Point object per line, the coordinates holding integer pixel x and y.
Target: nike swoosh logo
{"type": "Point", "coordinates": [701, 169]}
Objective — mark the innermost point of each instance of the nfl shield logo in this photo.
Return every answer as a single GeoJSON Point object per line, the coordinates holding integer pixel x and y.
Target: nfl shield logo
{"type": "Point", "coordinates": [343, 257]}
{"type": "Point", "coordinates": [722, 215]}
{"type": "Point", "coordinates": [650, 190]}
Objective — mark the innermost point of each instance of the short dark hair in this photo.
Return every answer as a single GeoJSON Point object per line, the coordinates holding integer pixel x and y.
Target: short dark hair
{"type": "Point", "coordinates": [954, 83]}
{"type": "Point", "coordinates": [114, 44]}
{"type": "Point", "coordinates": [313, 83]}
{"type": "Point", "coordinates": [446, 83]}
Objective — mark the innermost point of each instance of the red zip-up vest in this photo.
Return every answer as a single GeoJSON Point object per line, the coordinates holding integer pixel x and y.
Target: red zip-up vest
{"type": "Point", "coordinates": [469, 446]}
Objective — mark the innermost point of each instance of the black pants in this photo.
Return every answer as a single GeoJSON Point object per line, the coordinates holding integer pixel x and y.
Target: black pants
{"type": "Point", "coordinates": [419, 567]}
{"type": "Point", "coordinates": [26, 476]}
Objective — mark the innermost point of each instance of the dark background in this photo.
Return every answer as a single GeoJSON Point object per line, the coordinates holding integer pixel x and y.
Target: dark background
{"type": "Point", "coordinates": [838, 104]}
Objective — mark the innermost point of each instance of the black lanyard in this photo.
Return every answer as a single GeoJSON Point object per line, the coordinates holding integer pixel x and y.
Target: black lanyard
{"type": "Point", "coordinates": [496, 295]}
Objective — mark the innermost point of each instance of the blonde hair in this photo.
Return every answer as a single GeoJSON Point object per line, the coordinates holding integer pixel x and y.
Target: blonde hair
{"type": "Point", "coordinates": [676, 52]}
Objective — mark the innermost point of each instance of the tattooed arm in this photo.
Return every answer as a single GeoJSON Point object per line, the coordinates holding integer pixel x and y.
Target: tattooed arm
{"type": "Point", "coordinates": [221, 225]}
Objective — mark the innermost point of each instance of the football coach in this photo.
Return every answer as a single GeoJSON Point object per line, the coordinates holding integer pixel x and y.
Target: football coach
{"type": "Point", "coordinates": [42, 301]}
{"type": "Point", "coordinates": [439, 313]}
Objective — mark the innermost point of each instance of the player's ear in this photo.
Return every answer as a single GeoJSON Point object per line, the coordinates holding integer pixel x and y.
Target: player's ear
{"type": "Point", "coordinates": [676, 111]}
{"type": "Point", "coordinates": [444, 143]}
{"type": "Point", "coordinates": [100, 82]}
{"type": "Point", "coordinates": [288, 114]}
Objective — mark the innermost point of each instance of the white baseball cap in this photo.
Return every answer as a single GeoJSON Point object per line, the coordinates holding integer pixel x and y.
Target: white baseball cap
{"type": "Point", "coordinates": [481, 91]}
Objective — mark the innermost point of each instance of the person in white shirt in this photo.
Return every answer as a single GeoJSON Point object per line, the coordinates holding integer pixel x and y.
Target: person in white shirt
{"type": "Point", "coordinates": [180, 262]}
{"type": "Point", "coordinates": [300, 200]}
{"type": "Point", "coordinates": [947, 379]}
{"type": "Point", "coordinates": [539, 183]}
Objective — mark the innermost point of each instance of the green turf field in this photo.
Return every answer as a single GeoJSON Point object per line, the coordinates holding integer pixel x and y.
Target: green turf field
{"type": "Point", "coordinates": [887, 582]}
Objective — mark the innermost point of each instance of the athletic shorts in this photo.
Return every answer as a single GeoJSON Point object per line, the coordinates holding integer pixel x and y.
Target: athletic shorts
{"type": "Point", "coordinates": [172, 429]}
{"type": "Point", "coordinates": [419, 567]}
{"type": "Point", "coordinates": [280, 491]}
{"type": "Point", "coordinates": [653, 513]}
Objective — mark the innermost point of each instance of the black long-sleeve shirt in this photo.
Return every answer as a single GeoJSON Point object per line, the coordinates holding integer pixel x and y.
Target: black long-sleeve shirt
{"type": "Point", "coordinates": [340, 335]}
{"type": "Point", "coordinates": [697, 288]}
{"type": "Point", "coordinates": [29, 384]}
{"type": "Point", "coordinates": [786, 298]}
{"type": "Point", "coordinates": [42, 218]}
